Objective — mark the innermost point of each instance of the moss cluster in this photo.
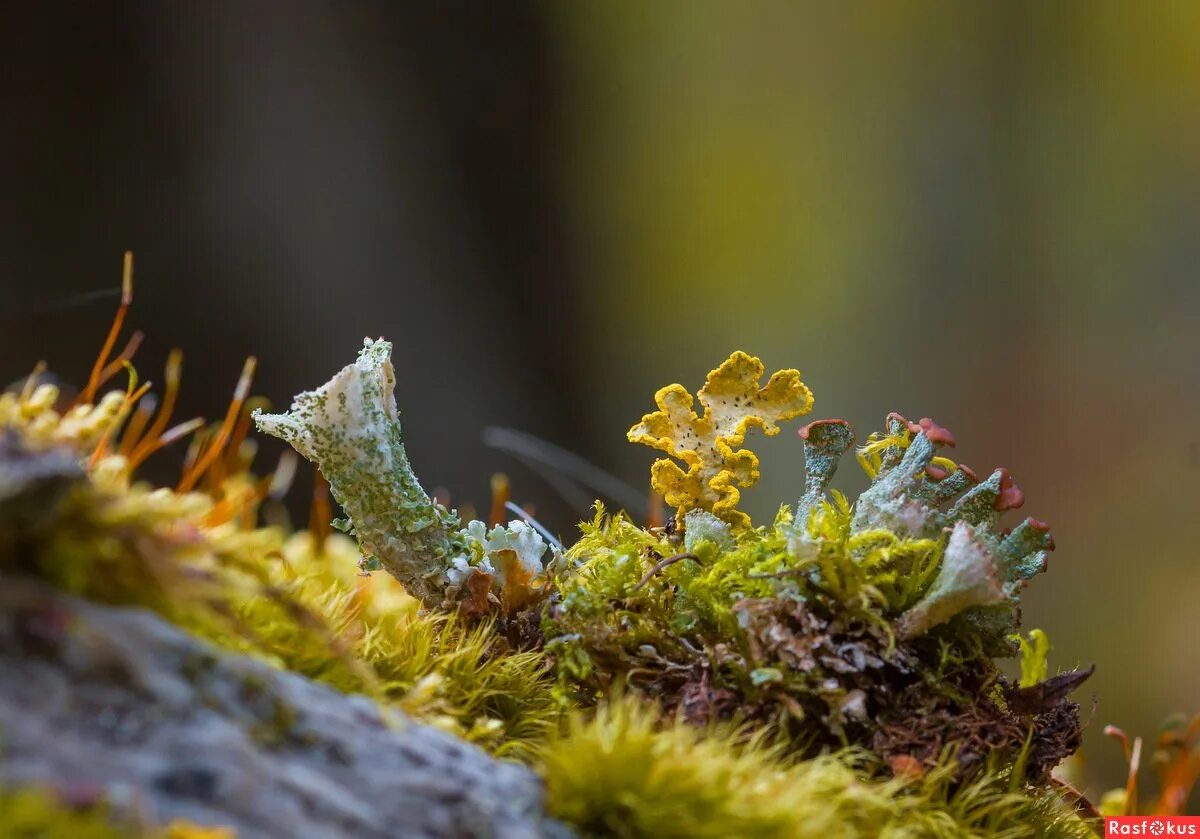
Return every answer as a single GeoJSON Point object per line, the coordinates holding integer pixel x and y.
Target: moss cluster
{"type": "Point", "coordinates": [874, 624]}
{"type": "Point", "coordinates": [625, 771]}
{"type": "Point", "coordinates": [808, 648]}
{"type": "Point", "coordinates": [849, 646]}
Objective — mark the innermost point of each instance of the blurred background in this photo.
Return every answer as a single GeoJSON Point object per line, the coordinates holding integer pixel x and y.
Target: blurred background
{"type": "Point", "coordinates": [986, 213]}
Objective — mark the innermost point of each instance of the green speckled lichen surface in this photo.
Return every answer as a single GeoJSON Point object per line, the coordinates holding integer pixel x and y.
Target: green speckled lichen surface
{"type": "Point", "coordinates": [350, 428]}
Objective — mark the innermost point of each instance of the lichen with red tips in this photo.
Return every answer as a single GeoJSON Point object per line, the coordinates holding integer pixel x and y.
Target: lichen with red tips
{"type": "Point", "coordinates": [838, 622]}
{"type": "Point", "coordinates": [825, 441]}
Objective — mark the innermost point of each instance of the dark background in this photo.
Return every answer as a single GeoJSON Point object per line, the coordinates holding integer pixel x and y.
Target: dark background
{"type": "Point", "coordinates": [986, 213]}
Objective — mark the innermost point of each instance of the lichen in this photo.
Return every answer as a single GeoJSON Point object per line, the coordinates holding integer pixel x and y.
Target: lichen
{"type": "Point", "coordinates": [733, 404]}
{"type": "Point", "coordinates": [874, 624]}
{"type": "Point", "coordinates": [350, 428]}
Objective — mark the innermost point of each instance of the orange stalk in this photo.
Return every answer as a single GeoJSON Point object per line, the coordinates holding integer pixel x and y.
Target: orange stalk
{"type": "Point", "coordinates": [89, 392]}
{"type": "Point", "coordinates": [148, 443]}
{"type": "Point", "coordinates": [203, 461]}
{"type": "Point", "coordinates": [136, 425]}
{"type": "Point", "coordinates": [1133, 755]}
{"type": "Point", "coordinates": [1181, 770]}
{"type": "Point", "coordinates": [167, 438]}
{"type": "Point", "coordinates": [284, 474]}
{"type": "Point", "coordinates": [131, 399]}
{"type": "Point", "coordinates": [319, 513]}
{"type": "Point", "coordinates": [501, 493]}
{"type": "Point", "coordinates": [655, 516]}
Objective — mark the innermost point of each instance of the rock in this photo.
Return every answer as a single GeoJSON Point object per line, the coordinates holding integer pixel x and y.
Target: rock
{"type": "Point", "coordinates": [117, 698]}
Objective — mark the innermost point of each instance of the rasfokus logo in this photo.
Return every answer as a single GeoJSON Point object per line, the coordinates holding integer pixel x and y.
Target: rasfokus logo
{"type": "Point", "coordinates": [1151, 826]}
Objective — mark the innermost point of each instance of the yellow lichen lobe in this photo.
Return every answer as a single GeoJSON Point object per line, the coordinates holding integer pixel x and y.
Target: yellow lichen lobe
{"type": "Point", "coordinates": [733, 404]}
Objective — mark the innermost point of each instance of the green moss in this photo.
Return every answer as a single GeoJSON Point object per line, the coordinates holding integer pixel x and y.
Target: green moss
{"type": "Point", "coordinates": [626, 772]}
{"type": "Point", "coordinates": [34, 812]}
{"type": "Point", "coordinates": [37, 813]}
{"type": "Point", "coordinates": [287, 602]}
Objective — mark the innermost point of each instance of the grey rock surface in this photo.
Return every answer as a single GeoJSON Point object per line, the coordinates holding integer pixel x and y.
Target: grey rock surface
{"type": "Point", "coordinates": [116, 698]}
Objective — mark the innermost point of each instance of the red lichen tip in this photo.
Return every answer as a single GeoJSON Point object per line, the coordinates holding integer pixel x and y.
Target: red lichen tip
{"type": "Point", "coordinates": [936, 472]}
{"type": "Point", "coordinates": [805, 430]}
{"type": "Point", "coordinates": [969, 472]}
{"type": "Point", "coordinates": [900, 418]}
{"type": "Point", "coordinates": [1011, 497]}
{"type": "Point", "coordinates": [1041, 526]}
{"type": "Point", "coordinates": [906, 766]}
{"type": "Point", "coordinates": [934, 433]}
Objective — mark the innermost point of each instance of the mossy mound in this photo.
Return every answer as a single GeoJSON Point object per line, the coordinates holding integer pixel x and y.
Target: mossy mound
{"type": "Point", "coordinates": [830, 674]}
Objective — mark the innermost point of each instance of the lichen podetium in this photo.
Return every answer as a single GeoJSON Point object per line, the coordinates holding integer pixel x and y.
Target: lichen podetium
{"type": "Point", "coordinates": [351, 428]}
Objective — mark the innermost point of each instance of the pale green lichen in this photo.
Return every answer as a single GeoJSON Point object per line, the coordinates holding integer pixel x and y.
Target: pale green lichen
{"type": "Point", "coordinates": [350, 428]}
{"type": "Point", "coordinates": [967, 578]}
{"type": "Point", "coordinates": [702, 526]}
{"type": "Point", "coordinates": [485, 547]}
{"type": "Point", "coordinates": [825, 441]}
{"type": "Point", "coordinates": [917, 493]}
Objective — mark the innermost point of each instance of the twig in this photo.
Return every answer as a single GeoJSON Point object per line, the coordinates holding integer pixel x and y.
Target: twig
{"type": "Point", "coordinates": [660, 565]}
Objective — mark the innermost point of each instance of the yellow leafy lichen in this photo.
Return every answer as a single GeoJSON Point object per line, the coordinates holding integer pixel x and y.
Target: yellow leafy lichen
{"type": "Point", "coordinates": [708, 444]}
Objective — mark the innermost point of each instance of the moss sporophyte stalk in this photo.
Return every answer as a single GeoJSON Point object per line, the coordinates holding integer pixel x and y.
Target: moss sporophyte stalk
{"type": "Point", "coordinates": [831, 672]}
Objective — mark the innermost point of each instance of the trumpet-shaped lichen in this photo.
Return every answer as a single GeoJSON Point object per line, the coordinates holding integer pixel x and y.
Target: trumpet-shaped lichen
{"type": "Point", "coordinates": [967, 578]}
{"type": "Point", "coordinates": [733, 404]}
{"type": "Point", "coordinates": [351, 429]}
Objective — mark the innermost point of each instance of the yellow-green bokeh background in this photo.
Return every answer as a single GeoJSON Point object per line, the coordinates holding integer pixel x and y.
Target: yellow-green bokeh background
{"type": "Point", "coordinates": [982, 212]}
